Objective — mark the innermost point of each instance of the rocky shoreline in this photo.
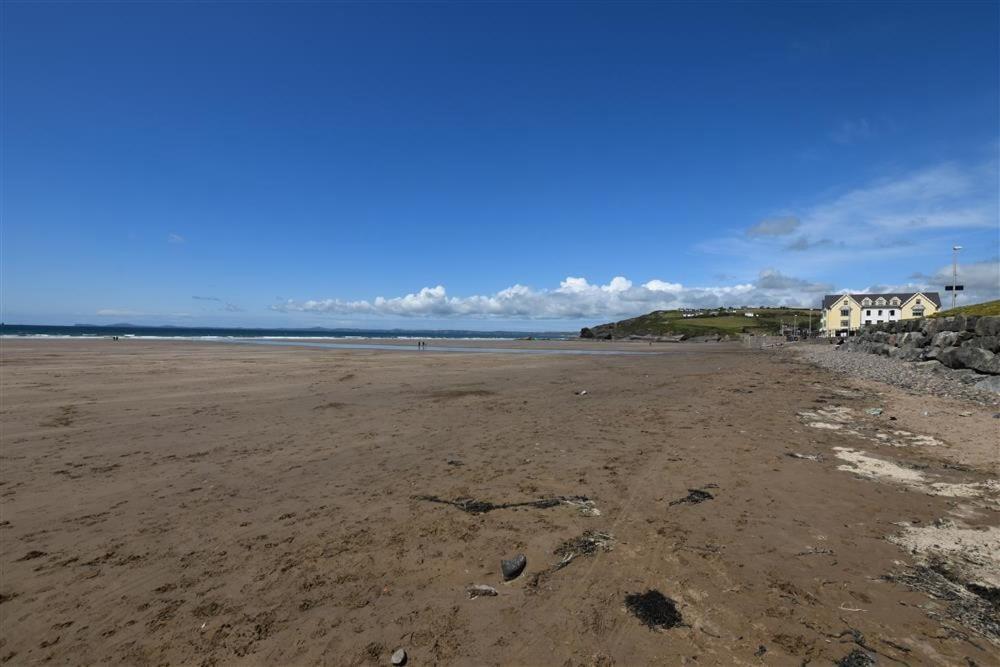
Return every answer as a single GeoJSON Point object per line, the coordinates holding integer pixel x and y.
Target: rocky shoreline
{"type": "Point", "coordinates": [922, 377]}
{"type": "Point", "coordinates": [956, 342]}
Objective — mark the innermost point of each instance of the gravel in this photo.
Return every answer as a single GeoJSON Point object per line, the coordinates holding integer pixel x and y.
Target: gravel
{"type": "Point", "coordinates": [928, 377]}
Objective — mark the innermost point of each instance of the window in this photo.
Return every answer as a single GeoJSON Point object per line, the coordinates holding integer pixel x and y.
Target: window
{"type": "Point", "coordinates": [865, 302]}
{"type": "Point", "coordinates": [880, 302]}
{"type": "Point", "coordinates": [880, 312]}
{"type": "Point", "coordinates": [891, 313]}
{"type": "Point", "coordinates": [918, 302]}
{"type": "Point", "coordinates": [868, 321]}
{"type": "Point", "coordinates": [845, 312]}
{"type": "Point", "coordinates": [868, 312]}
{"type": "Point", "coordinates": [846, 323]}
{"type": "Point", "coordinates": [918, 311]}
{"type": "Point", "coordinates": [894, 301]}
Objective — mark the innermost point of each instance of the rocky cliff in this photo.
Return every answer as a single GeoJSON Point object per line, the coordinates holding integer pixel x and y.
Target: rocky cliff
{"type": "Point", "coordinates": [956, 342]}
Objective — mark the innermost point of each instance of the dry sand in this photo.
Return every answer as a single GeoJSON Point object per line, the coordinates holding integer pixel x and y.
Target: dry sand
{"type": "Point", "coordinates": [188, 503]}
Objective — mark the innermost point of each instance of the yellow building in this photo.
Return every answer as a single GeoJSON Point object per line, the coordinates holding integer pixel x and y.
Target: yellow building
{"type": "Point", "coordinates": [845, 313]}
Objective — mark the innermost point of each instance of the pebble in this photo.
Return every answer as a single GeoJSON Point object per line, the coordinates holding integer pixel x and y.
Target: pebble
{"type": "Point", "coordinates": [399, 657]}
{"type": "Point", "coordinates": [924, 378]}
{"type": "Point", "coordinates": [480, 589]}
{"type": "Point", "coordinates": [512, 567]}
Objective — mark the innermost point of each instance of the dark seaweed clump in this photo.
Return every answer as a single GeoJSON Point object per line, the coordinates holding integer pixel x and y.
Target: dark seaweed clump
{"type": "Point", "coordinates": [472, 506]}
{"type": "Point", "coordinates": [856, 658]}
{"type": "Point", "coordinates": [654, 609]}
{"type": "Point", "coordinates": [694, 497]}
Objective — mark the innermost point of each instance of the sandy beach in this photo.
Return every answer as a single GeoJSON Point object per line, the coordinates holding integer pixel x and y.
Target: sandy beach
{"type": "Point", "coordinates": [187, 503]}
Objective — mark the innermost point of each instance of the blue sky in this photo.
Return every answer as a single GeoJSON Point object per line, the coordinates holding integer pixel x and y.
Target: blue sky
{"type": "Point", "coordinates": [489, 165]}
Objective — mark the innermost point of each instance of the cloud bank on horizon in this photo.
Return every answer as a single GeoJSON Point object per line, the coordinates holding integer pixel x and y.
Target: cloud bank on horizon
{"type": "Point", "coordinates": [576, 298]}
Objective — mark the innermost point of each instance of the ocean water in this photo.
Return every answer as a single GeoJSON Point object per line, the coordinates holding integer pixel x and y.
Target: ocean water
{"type": "Point", "coordinates": [213, 333]}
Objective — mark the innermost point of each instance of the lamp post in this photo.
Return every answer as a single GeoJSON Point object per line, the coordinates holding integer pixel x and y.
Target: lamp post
{"type": "Point", "coordinates": [954, 273]}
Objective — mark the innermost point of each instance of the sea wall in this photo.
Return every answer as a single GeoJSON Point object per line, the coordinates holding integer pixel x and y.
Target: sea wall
{"type": "Point", "coordinates": [957, 342]}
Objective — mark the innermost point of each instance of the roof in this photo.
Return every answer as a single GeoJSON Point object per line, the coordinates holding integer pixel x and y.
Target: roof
{"type": "Point", "coordinates": [831, 299]}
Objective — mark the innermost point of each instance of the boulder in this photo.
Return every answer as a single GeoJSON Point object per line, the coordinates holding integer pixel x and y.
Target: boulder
{"type": "Point", "coordinates": [988, 326]}
{"type": "Point", "coordinates": [586, 332]}
{"type": "Point", "coordinates": [991, 343]}
{"type": "Point", "coordinates": [913, 339]}
{"type": "Point", "coordinates": [945, 338]}
{"type": "Point", "coordinates": [908, 353]}
{"type": "Point", "coordinates": [975, 358]}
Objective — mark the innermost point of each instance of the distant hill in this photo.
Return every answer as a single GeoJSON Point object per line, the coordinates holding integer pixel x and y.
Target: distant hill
{"type": "Point", "coordinates": [722, 322]}
{"type": "Point", "coordinates": [985, 308]}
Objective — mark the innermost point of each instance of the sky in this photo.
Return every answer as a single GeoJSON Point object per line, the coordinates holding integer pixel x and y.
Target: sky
{"type": "Point", "coordinates": [496, 165]}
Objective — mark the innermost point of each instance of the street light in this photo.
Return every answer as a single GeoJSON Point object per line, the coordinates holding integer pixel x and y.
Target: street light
{"type": "Point", "coordinates": [954, 273]}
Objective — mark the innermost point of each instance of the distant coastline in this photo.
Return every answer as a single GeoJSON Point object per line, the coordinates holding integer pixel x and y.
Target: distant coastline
{"type": "Point", "coordinates": [127, 330]}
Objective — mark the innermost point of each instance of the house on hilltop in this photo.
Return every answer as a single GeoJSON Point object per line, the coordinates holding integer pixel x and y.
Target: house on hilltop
{"type": "Point", "coordinates": [844, 313]}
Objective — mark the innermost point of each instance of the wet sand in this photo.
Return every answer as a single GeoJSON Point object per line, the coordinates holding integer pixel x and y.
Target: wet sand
{"type": "Point", "coordinates": [193, 503]}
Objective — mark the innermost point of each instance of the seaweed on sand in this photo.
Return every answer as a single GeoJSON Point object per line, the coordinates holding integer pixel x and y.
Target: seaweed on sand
{"type": "Point", "coordinates": [473, 506]}
{"type": "Point", "coordinates": [693, 497]}
{"type": "Point", "coordinates": [654, 609]}
{"type": "Point", "coordinates": [587, 544]}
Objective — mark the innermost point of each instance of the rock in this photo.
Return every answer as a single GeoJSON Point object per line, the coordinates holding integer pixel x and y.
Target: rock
{"type": "Point", "coordinates": [582, 392]}
{"type": "Point", "coordinates": [586, 332]}
{"type": "Point", "coordinates": [991, 343]}
{"type": "Point", "coordinates": [513, 567]}
{"type": "Point", "coordinates": [908, 353]}
{"type": "Point", "coordinates": [975, 358]}
{"type": "Point", "coordinates": [988, 326]}
{"type": "Point", "coordinates": [480, 590]}
{"type": "Point", "coordinates": [399, 657]}
{"type": "Point", "coordinates": [874, 411]}
{"type": "Point", "coordinates": [991, 383]}
{"type": "Point", "coordinates": [914, 338]}
{"type": "Point", "coordinates": [955, 323]}
{"type": "Point", "coordinates": [945, 339]}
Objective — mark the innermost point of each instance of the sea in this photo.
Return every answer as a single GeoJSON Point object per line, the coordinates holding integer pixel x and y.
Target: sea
{"type": "Point", "coordinates": [217, 333]}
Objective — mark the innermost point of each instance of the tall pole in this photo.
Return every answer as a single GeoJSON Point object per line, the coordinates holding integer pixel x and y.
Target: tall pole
{"type": "Point", "coordinates": [954, 273]}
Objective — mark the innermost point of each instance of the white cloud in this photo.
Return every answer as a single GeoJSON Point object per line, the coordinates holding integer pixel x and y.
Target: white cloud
{"type": "Point", "coordinates": [574, 298]}
{"type": "Point", "coordinates": [895, 218]}
{"type": "Point", "coordinates": [175, 238]}
{"type": "Point", "coordinates": [980, 279]}
{"type": "Point", "coordinates": [774, 227]}
{"type": "Point", "coordinates": [944, 196]}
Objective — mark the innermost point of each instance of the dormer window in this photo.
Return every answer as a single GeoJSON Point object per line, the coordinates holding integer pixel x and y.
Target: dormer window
{"type": "Point", "coordinates": [894, 301]}
{"type": "Point", "coordinates": [880, 301]}
{"type": "Point", "coordinates": [866, 302]}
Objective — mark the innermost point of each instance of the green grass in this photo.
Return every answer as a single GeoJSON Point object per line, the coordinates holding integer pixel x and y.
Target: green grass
{"type": "Point", "coordinates": [672, 322]}
{"type": "Point", "coordinates": [985, 308]}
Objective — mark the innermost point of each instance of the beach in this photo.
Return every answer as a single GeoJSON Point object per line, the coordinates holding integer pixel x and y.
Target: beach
{"type": "Point", "coordinates": [174, 502]}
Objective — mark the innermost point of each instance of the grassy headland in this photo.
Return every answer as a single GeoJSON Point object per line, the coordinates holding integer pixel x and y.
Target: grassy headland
{"type": "Point", "coordinates": [723, 322]}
